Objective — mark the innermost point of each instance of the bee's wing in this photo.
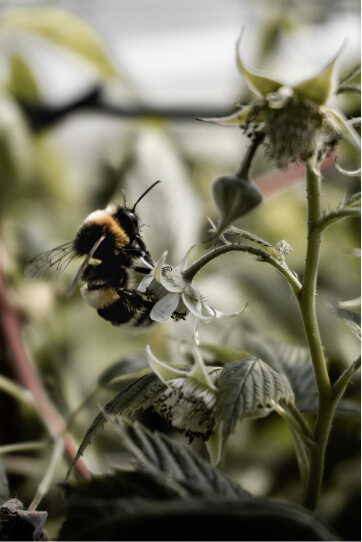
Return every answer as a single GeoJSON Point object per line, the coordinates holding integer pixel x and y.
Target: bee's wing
{"type": "Point", "coordinates": [50, 264]}
{"type": "Point", "coordinates": [80, 271]}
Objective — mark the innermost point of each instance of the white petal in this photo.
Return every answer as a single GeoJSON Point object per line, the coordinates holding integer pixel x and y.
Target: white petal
{"type": "Point", "coordinates": [165, 307]}
{"type": "Point", "coordinates": [145, 282]}
{"type": "Point", "coordinates": [157, 272]}
{"type": "Point", "coordinates": [194, 303]}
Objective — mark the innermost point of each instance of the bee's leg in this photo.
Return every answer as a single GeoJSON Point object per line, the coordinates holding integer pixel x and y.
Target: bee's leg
{"type": "Point", "coordinates": [144, 270]}
{"type": "Point", "coordinates": [146, 254]}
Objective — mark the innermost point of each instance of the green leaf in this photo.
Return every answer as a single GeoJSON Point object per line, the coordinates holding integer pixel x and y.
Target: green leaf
{"type": "Point", "coordinates": [166, 460]}
{"type": "Point", "coordinates": [64, 29]}
{"type": "Point", "coordinates": [249, 387]}
{"type": "Point", "coordinates": [352, 320]}
{"type": "Point", "coordinates": [16, 148]}
{"type": "Point", "coordinates": [96, 512]}
{"type": "Point", "coordinates": [21, 82]}
{"type": "Point", "coordinates": [222, 354]}
{"type": "Point", "coordinates": [138, 395]}
{"type": "Point", "coordinates": [293, 361]}
{"type": "Point", "coordinates": [128, 368]}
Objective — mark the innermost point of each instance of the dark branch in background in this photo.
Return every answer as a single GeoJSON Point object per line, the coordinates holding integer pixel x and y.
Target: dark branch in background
{"type": "Point", "coordinates": [27, 375]}
{"type": "Point", "coordinates": [41, 116]}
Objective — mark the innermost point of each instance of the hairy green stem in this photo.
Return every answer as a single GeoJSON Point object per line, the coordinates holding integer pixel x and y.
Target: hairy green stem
{"type": "Point", "coordinates": [338, 214]}
{"type": "Point", "coordinates": [189, 273]}
{"type": "Point", "coordinates": [307, 305]}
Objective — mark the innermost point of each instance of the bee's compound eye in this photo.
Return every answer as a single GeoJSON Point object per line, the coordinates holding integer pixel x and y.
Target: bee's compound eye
{"type": "Point", "coordinates": [129, 222]}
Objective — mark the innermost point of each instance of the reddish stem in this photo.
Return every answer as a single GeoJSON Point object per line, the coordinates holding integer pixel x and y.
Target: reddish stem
{"type": "Point", "coordinates": [27, 375]}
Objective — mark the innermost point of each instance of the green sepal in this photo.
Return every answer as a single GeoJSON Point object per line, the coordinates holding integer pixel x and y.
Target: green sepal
{"type": "Point", "coordinates": [318, 89]}
{"type": "Point", "coordinates": [255, 79]}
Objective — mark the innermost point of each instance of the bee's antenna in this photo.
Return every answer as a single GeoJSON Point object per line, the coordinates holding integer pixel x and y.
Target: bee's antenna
{"type": "Point", "coordinates": [124, 199]}
{"type": "Point", "coordinates": [144, 193]}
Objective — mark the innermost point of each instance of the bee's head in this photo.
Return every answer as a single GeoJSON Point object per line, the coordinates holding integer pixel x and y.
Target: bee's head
{"type": "Point", "coordinates": [128, 220]}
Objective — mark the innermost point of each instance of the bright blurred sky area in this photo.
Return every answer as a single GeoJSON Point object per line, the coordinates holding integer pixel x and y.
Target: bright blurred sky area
{"type": "Point", "coordinates": [183, 53]}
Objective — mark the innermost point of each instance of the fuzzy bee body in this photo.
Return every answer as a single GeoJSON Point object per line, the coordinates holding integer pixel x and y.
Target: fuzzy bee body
{"type": "Point", "coordinates": [110, 242]}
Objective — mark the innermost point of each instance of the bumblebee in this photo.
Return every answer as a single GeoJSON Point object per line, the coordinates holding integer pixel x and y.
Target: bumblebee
{"type": "Point", "coordinates": [110, 242]}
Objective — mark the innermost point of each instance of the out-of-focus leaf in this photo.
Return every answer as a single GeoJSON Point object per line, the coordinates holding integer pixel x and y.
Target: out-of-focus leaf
{"type": "Point", "coordinates": [20, 524]}
{"type": "Point", "coordinates": [16, 153]}
{"type": "Point", "coordinates": [138, 395]}
{"type": "Point", "coordinates": [64, 29]}
{"type": "Point", "coordinates": [21, 82]}
{"type": "Point", "coordinates": [96, 512]}
{"type": "Point", "coordinates": [249, 387]}
{"type": "Point", "coordinates": [352, 320]}
{"type": "Point", "coordinates": [166, 459]}
{"type": "Point", "coordinates": [4, 486]}
{"type": "Point", "coordinates": [349, 409]}
{"type": "Point", "coordinates": [345, 408]}
{"type": "Point", "coordinates": [121, 371]}
{"type": "Point", "coordinates": [223, 354]}
{"type": "Point", "coordinates": [291, 360]}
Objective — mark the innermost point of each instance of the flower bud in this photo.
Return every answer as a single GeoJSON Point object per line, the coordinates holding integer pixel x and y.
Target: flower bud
{"type": "Point", "coordinates": [234, 197]}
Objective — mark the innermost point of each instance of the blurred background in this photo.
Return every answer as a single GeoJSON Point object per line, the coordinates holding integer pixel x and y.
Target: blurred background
{"type": "Point", "coordinates": [87, 111]}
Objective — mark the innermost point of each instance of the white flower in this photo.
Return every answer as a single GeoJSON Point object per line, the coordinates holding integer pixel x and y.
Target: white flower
{"type": "Point", "coordinates": [175, 296]}
{"type": "Point", "coordinates": [189, 402]}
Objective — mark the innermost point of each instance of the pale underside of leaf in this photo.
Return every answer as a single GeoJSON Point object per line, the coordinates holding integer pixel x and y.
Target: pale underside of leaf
{"type": "Point", "coordinates": [249, 388]}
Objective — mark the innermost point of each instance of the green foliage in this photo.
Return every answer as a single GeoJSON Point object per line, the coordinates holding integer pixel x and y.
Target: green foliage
{"type": "Point", "coordinates": [170, 490]}
{"type": "Point", "coordinates": [63, 29]}
{"type": "Point", "coordinates": [264, 392]}
{"type": "Point", "coordinates": [249, 388]}
{"type": "Point", "coordinates": [139, 394]}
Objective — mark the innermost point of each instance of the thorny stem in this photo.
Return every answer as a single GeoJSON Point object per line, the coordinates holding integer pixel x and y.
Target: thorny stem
{"type": "Point", "coordinates": [329, 218]}
{"type": "Point", "coordinates": [189, 273]}
{"type": "Point", "coordinates": [10, 326]}
{"type": "Point", "coordinates": [307, 305]}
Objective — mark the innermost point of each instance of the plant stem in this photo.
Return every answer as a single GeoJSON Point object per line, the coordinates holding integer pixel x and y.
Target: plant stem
{"type": "Point", "coordinates": [189, 273]}
{"type": "Point", "coordinates": [49, 474]}
{"type": "Point", "coordinates": [338, 214]}
{"type": "Point", "coordinates": [307, 305]}
{"type": "Point", "coordinates": [245, 165]}
{"type": "Point", "coordinates": [10, 327]}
